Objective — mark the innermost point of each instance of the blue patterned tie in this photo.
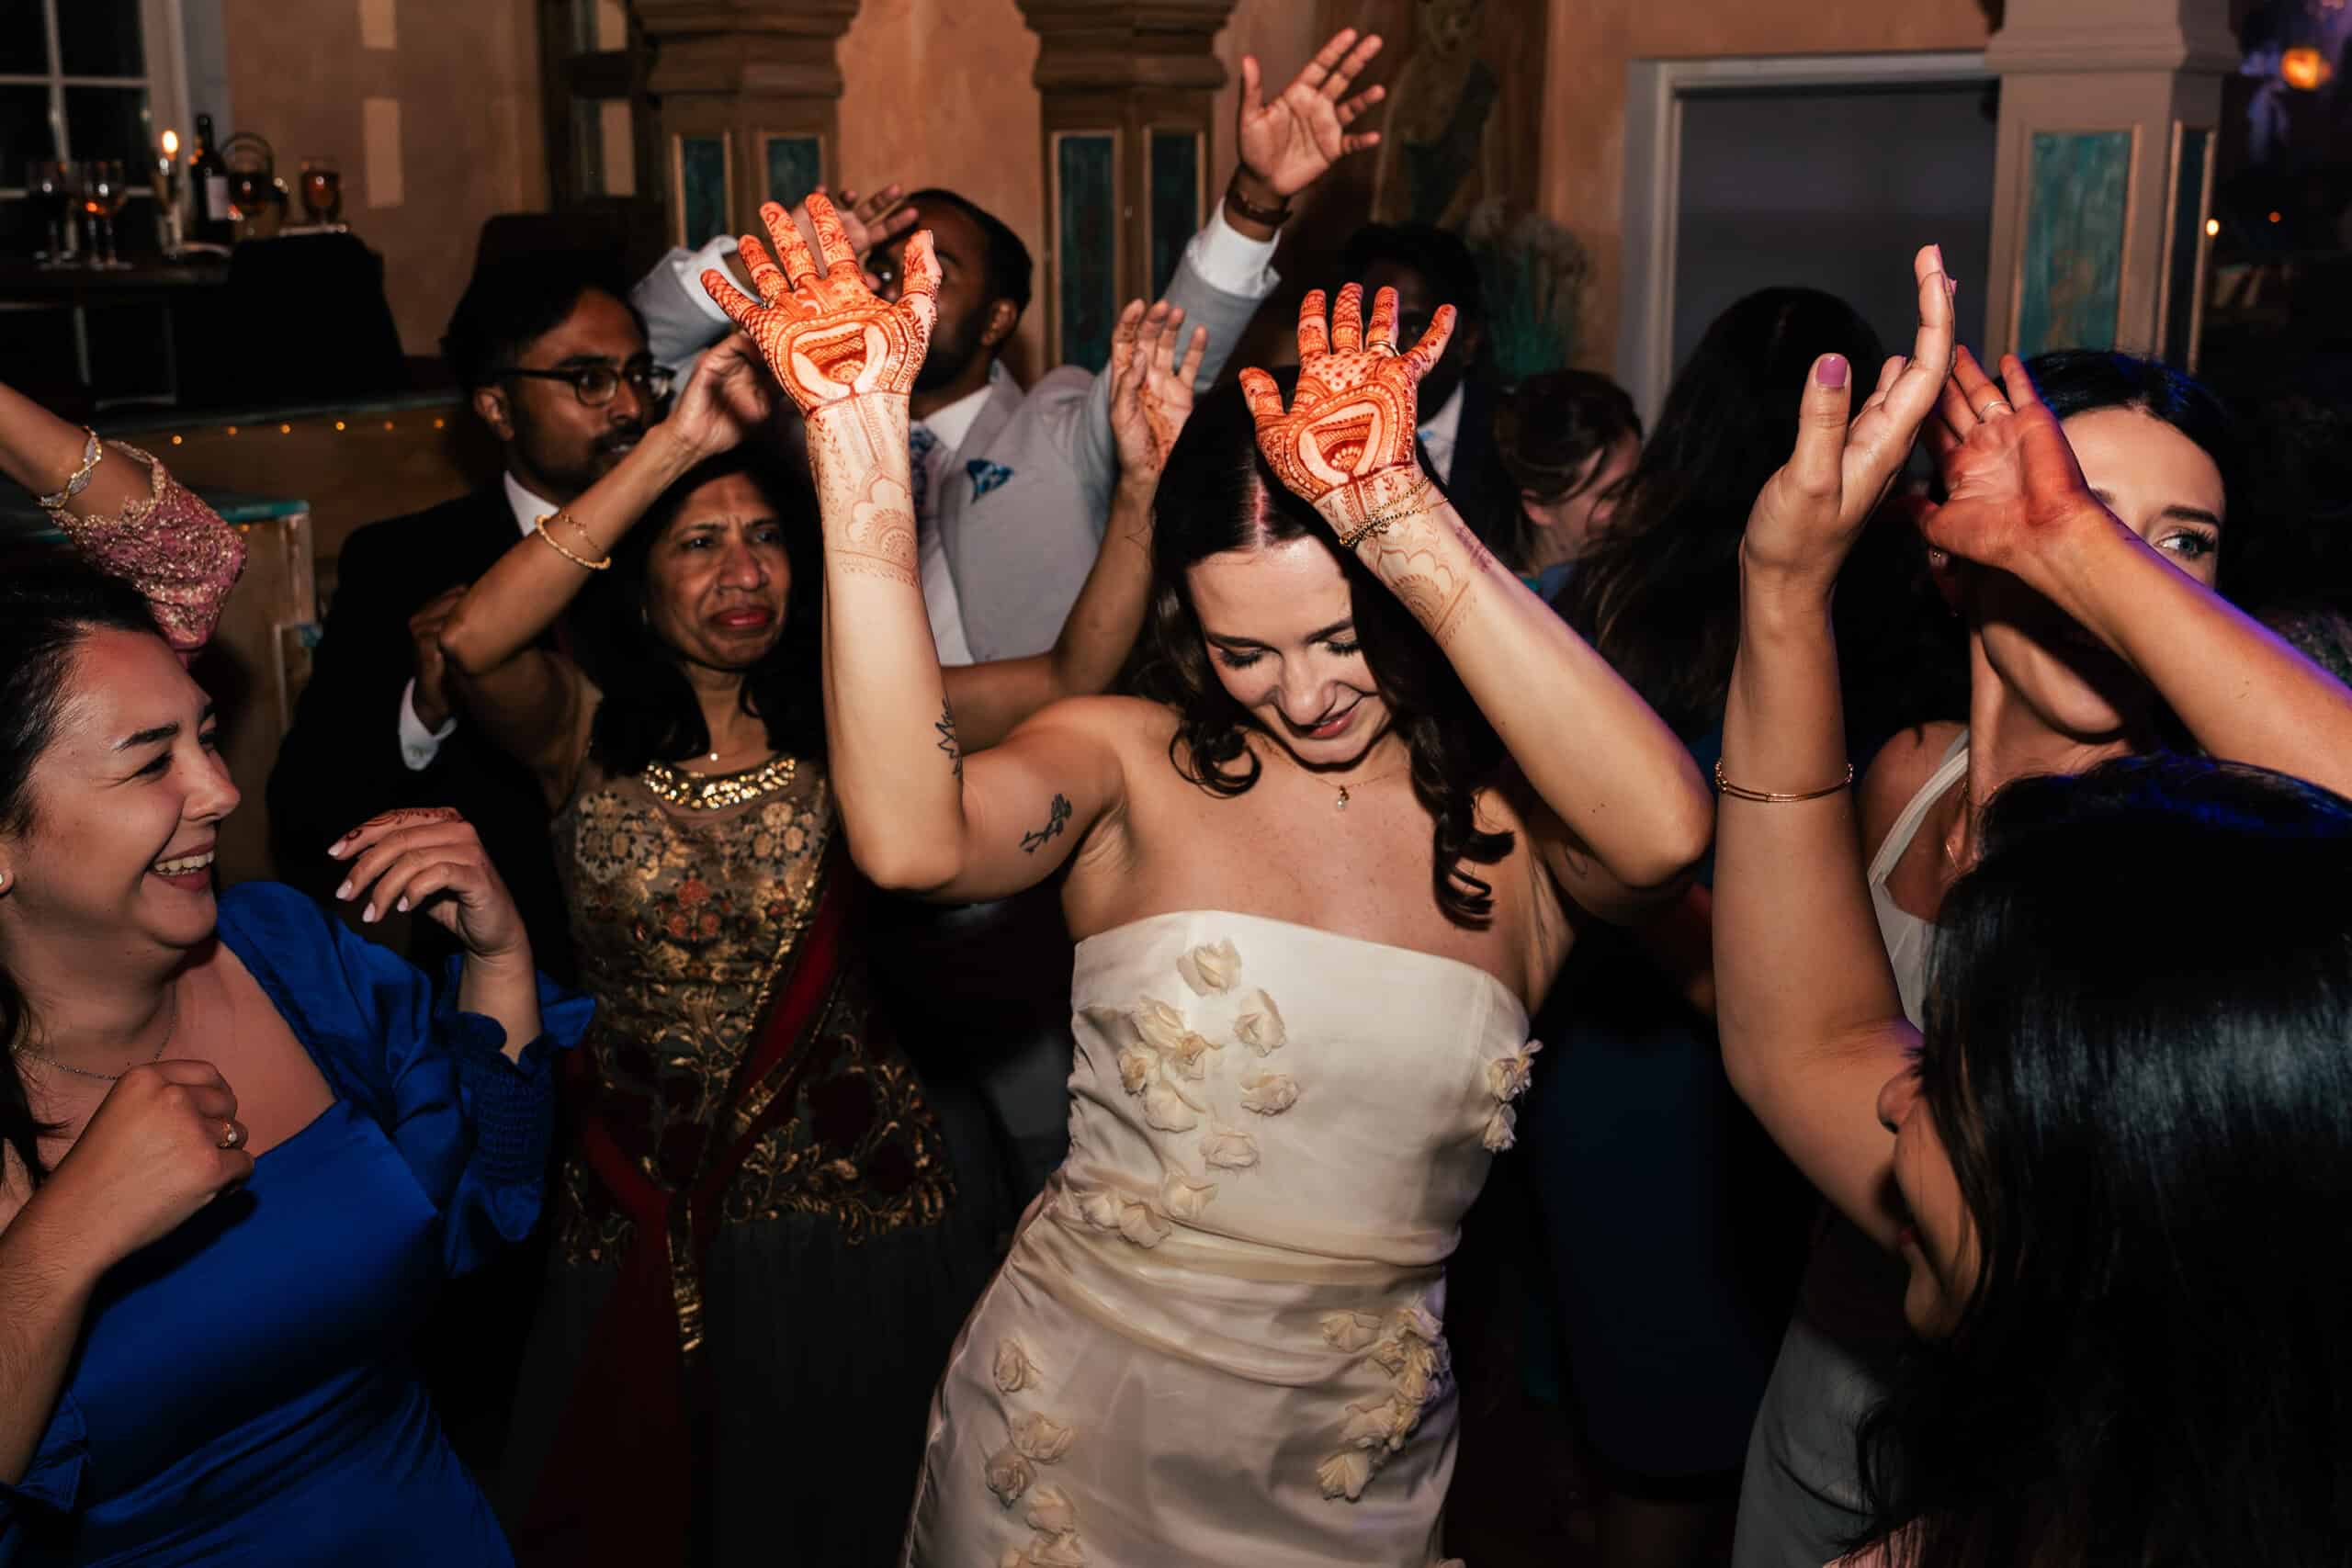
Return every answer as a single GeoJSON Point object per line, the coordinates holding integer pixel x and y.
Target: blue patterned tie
{"type": "Point", "coordinates": [921, 444]}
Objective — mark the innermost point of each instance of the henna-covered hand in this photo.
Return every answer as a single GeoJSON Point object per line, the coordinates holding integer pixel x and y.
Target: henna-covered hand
{"type": "Point", "coordinates": [848, 359]}
{"type": "Point", "coordinates": [1152, 392]}
{"type": "Point", "coordinates": [1291, 143]}
{"type": "Point", "coordinates": [867, 221]}
{"type": "Point", "coordinates": [826, 335]}
{"type": "Point", "coordinates": [1346, 444]}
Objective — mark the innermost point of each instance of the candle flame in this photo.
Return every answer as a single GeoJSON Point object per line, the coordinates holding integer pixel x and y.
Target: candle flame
{"type": "Point", "coordinates": [2305, 69]}
{"type": "Point", "coordinates": [171, 143]}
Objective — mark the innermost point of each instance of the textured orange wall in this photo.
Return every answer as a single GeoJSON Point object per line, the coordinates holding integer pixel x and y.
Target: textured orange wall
{"type": "Point", "coordinates": [937, 92]}
{"type": "Point", "coordinates": [467, 79]}
{"type": "Point", "coordinates": [1582, 182]}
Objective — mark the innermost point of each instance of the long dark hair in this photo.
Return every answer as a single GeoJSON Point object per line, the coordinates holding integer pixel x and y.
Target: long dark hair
{"type": "Point", "coordinates": [648, 712]}
{"type": "Point", "coordinates": [49, 601]}
{"type": "Point", "coordinates": [2135, 1053]}
{"type": "Point", "coordinates": [1657, 593]}
{"type": "Point", "coordinates": [1217, 494]}
{"type": "Point", "coordinates": [2084, 380]}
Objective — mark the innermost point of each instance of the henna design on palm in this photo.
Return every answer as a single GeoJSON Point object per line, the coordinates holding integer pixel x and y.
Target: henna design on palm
{"type": "Point", "coordinates": [1151, 390]}
{"type": "Point", "coordinates": [1346, 443]}
{"type": "Point", "coordinates": [826, 335]}
{"type": "Point", "coordinates": [848, 359]}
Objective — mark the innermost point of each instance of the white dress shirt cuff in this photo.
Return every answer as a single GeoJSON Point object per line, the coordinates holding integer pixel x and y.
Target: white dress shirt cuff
{"type": "Point", "coordinates": [1230, 261]}
{"type": "Point", "coordinates": [690, 264]}
{"type": "Point", "coordinates": [419, 744]}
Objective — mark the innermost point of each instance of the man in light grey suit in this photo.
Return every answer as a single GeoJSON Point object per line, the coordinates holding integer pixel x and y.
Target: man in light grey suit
{"type": "Point", "coordinates": [1012, 488]}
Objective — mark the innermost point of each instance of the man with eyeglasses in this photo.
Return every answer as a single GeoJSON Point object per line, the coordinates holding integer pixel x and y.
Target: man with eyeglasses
{"type": "Point", "coordinates": [554, 361]}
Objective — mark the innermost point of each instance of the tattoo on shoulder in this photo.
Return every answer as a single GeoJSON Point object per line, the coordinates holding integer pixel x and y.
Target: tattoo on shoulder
{"type": "Point", "coordinates": [1056, 818]}
{"type": "Point", "coordinates": [947, 741]}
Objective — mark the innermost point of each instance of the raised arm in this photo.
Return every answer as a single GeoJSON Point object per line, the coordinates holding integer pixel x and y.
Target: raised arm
{"type": "Point", "coordinates": [681, 319]}
{"type": "Point", "coordinates": [2018, 503]}
{"type": "Point", "coordinates": [918, 819]}
{"type": "Point", "coordinates": [1284, 146]}
{"type": "Point", "coordinates": [1810, 1022]}
{"type": "Point", "coordinates": [533, 702]}
{"type": "Point", "coordinates": [1631, 813]}
{"type": "Point", "coordinates": [1151, 397]}
{"type": "Point", "coordinates": [122, 510]}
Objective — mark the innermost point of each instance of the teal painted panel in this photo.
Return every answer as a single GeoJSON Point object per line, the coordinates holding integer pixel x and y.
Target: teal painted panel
{"type": "Point", "coordinates": [1175, 213]}
{"type": "Point", "coordinates": [796, 168]}
{"type": "Point", "coordinates": [1086, 245]}
{"type": "Point", "coordinates": [2183, 277]}
{"type": "Point", "coordinates": [702, 187]}
{"type": "Point", "coordinates": [2070, 280]}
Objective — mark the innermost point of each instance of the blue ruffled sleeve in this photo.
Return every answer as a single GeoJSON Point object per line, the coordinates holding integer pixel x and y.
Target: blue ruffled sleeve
{"type": "Point", "coordinates": [53, 1483]}
{"type": "Point", "coordinates": [474, 1127]}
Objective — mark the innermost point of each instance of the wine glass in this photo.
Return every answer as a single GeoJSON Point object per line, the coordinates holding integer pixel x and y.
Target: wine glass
{"type": "Point", "coordinates": [104, 190]}
{"type": "Point", "coordinates": [321, 191]}
{"type": "Point", "coordinates": [52, 185]}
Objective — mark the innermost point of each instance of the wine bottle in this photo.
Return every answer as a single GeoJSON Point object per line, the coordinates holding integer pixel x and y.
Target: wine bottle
{"type": "Point", "coordinates": [207, 189]}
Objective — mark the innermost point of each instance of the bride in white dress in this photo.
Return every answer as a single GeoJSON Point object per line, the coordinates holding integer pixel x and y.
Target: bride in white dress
{"type": "Point", "coordinates": [1318, 885]}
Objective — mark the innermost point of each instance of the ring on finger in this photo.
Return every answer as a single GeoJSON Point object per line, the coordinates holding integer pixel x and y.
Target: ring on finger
{"type": "Point", "coordinates": [232, 1135]}
{"type": "Point", "coordinates": [1992, 403]}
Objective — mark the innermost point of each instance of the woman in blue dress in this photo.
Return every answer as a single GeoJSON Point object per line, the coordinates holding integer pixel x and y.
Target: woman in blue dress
{"type": "Point", "coordinates": [242, 1147]}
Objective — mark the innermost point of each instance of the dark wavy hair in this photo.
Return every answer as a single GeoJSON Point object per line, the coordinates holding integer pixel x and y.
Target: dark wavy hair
{"type": "Point", "coordinates": [1658, 591]}
{"type": "Point", "coordinates": [50, 599]}
{"type": "Point", "coordinates": [648, 712]}
{"type": "Point", "coordinates": [512, 303]}
{"type": "Point", "coordinates": [1217, 494]}
{"type": "Point", "coordinates": [2139, 1005]}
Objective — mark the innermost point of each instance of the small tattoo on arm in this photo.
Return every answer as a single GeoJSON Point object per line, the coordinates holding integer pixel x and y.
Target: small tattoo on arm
{"type": "Point", "coordinates": [1058, 817]}
{"type": "Point", "coordinates": [947, 741]}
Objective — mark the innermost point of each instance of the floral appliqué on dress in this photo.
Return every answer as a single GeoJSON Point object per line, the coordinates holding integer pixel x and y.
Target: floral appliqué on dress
{"type": "Point", "coordinates": [1166, 1064]}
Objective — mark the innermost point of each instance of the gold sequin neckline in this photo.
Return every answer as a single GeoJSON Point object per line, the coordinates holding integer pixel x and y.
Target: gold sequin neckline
{"type": "Point", "coordinates": [716, 792]}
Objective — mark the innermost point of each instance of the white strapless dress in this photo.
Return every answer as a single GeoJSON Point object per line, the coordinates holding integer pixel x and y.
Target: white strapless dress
{"type": "Point", "coordinates": [1217, 1338]}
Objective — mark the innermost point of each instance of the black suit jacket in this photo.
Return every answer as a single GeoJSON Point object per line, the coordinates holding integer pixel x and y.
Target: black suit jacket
{"type": "Point", "coordinates": [341, 763]}
{"type": "Point", "coordinates": [1480, 488]}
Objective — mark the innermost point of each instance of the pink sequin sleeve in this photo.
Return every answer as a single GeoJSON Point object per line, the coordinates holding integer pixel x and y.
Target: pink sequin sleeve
{"type": "Point", "coordinates": [172, 547]}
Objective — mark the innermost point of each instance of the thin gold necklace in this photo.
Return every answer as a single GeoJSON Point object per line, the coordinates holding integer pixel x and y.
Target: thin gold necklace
{"type": "Point", "coordinates": [1345, 790]}
{"type": "Point", "coordinates": [47, 1060]}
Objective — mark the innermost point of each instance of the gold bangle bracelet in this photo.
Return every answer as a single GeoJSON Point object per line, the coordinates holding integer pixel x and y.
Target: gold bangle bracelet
{"type": "Point", "coordinates": [540, 529]}
{"type": "Point", "coordinates": [1773, 798]}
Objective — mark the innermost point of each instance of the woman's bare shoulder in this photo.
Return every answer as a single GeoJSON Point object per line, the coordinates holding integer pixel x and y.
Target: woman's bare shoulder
{"type": "Point", "coordinates": [1899, 772]}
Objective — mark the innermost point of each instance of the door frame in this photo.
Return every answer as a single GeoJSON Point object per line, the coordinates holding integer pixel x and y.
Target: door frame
{"type": "Point", "coordinates": [1654, 93]}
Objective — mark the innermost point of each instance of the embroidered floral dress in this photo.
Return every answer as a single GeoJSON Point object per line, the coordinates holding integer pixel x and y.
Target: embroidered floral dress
{"type": "Point", "coordinates": [1219, 1337]}
{"type": "Point", "coordinates": [762, 1244]}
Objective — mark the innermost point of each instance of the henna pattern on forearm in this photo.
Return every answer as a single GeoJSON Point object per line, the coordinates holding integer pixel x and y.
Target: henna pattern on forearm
{"type": "Point", "coordinates": [947, 741]}
{"type": "Point", "coordinates": [1056, 818]}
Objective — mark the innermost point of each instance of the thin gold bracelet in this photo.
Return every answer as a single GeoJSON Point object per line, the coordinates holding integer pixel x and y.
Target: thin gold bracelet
{"type": "Point", "coordinates": [1773, 798]}
{"type": "Point", "coordinates": [1378, 523]}
{"type": "Point", "coordinates": [540, 529]}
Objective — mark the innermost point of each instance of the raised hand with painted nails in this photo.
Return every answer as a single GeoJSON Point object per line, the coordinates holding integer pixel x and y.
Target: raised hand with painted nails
{"type": "Point", "coordinates": [1812, 509]}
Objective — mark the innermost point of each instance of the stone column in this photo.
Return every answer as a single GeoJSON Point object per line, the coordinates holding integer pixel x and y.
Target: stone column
{"type": "Point", "coordinates": [748, 96]}
{"type": "Point", "coordinates": [2109, 109]}
{"type": "Point", "coordinates": [1128, 88]}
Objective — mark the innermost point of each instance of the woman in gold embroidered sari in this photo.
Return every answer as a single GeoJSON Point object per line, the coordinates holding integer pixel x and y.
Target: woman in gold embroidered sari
{"type": "Point", "coordinates": [767, 1230]}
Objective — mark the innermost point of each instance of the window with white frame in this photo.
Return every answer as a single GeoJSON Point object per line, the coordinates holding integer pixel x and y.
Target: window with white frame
{"type": "Point", "coordinates": [86, 79]}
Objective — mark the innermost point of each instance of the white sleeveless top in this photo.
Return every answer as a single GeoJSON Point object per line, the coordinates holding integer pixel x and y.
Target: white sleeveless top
{"type": "Point", "coordinates": [1906, 935]}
